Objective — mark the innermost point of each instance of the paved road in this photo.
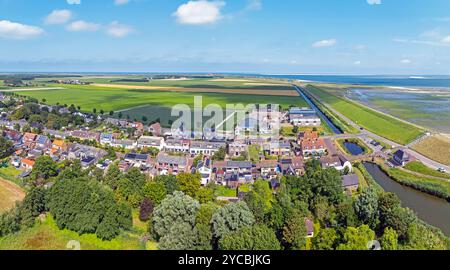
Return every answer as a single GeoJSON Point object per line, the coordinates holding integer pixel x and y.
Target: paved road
{"type": "Point", "coordinates": [365, 133]}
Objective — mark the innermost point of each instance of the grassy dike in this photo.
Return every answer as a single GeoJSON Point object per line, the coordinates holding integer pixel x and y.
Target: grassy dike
{"type": "Point", "coordinates": [376, 122]}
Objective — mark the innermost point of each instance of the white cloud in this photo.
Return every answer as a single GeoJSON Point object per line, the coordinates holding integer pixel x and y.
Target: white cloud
{"type": "Point", "coordinates": [121, 2]}
{"type": "Point", "coordinates": [324, 43]}
{"type": "Point", "coordinates": [446, 39]}
{"type": "Point", "coordinates": [254, 5]}
{"type": "Point", "coordinates": [357, 63]}
{"type": "Point", "coordinates": [199, 12]}
{"type": "Point", "coordinates": [115, 29]}
{"type": "Point", "coordinates": [13, 30]}
{"type": "Point", "coordinates": [83, 26]}
{"type": "Point", "coordinates": [405, 61]}
{"type": "Point", "coordinates": [374, 2]}
{"type": "Point", "coordinates": [74, 2]}
{"type": "Point", "coordinates": [58, 17]}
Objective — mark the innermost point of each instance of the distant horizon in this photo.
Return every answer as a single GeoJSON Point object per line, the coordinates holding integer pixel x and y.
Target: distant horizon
{"type": "Point", "coordinates": [213, 73]}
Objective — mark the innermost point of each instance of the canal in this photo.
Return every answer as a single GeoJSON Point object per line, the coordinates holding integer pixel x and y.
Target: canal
{"type": "Point", "coordinates": [354, 148]}
{"type": "Point", "coordinates": [313, 106]}
{"type": "Point", "coordinates": [432, 210]}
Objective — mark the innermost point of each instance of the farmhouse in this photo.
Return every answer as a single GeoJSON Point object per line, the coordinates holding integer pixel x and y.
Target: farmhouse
{"type": "Point", "coordinates": [339, 162]}
{"type": "Point", "coordinates": [304, 117]}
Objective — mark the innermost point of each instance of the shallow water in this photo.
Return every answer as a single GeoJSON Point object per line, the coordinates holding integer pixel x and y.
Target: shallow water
{"type": "Point", "coordinates": [429, 110]}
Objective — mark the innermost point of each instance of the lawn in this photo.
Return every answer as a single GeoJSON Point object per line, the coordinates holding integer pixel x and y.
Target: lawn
{"type": "Point", "coordinates": [371, 120]}
{"type": "Point", "coordinates": [10, 193]}
{"type": "Point", "coordinates": [435, 147]}
{"type": "Point", "coordinates": [419, 167]}
{"type": "Point", "coordinates": [221, 191]}
{"type": "Point", "coordinates": [113, 99]}
{"type": "Point", "coordinates": [47, 236]}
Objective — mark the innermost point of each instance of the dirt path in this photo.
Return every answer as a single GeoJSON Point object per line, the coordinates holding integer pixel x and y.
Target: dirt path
{"type": "Point", "coordinates": [10, 193]}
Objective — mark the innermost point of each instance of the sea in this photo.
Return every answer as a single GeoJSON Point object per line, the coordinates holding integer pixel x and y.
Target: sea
{"type": "Point", "coordinates": [425, 81]}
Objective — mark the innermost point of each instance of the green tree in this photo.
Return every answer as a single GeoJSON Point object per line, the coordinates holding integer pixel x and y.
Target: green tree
{"type": "Point", "coordinates": [325, 240]}
{"type": "Point", "coordinates": [257, 237]}
{"type": "Point", "coordinates": [220, 154]}
{"type": "Point", "coordinates": [180, 236]}
{"type": "Point", "coordinates": [189, 183]}
{"type": "Point", "coordinates": [205, 195]}
{"type": "Point", "coordinates": [421, 237]}
{"type": "Point", "coordinates": [44, 168]}
{"type": "Point", "coordinates": [205, 213]}
{"type": "Point", "coordinates": [366, 207]}
{"type": "Point", "coordinates": [260, 199]}
{"type": "Point", "coordinates": [231, 218]}
{"type": "Point", "coordinates": [85, 206]}
{"type": "Point", "coordinates": [400, 220]}
{"type": "Point", "coordinates": [357, 238]}
{"type": "Point", "coordinates": [113, 175]}
{"type": "Point", "coordinates": [155, 190]}
{"type": "Point", "coordinates": [389, 240]}
{"type": "Point", "coordinates": [294, 231]}
{"type": "Point", "coordinates": [174, 209]}
{"type": "Point", "coordinates": [6, 147]}
{"type": "Point", "coordinates": [170, 182]}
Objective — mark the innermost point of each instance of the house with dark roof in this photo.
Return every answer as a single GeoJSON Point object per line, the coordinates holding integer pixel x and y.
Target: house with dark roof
{"type": "Point", "coordinates": [350, 182]}
{"type": "Point", "coordinates": [401, 157]}
{"type": "Point", "coordinates": [136, 160]}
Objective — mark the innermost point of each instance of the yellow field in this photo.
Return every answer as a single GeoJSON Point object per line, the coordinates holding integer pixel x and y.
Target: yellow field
{"type": "Point", "coordinates": [10, 193]}
{"type": "Point", "coordinates": [435, 147]}
{"type": "Point", "coordinates": [288, 93]}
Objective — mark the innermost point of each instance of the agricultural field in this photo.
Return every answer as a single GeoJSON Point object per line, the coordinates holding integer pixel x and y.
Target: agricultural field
{"type": "Point", "coordinates": [435, 147]}
{"type": "Point", "coordinates": [373, 121]}
{"type": "Point", "coordinates": [10, 193]}
{"type": "Point", "coordinates": [150, 104]}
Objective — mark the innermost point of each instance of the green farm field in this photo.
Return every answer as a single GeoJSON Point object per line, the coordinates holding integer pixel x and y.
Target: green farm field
{"type": "Point", "coordinates": [373, 121]}
{"type": "Point", "coordinates": [111, 99]}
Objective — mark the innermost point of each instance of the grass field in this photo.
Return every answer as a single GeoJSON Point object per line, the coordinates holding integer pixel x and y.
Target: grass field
{"type": "Point", "coordinates": [435, 147]}
{"type": "Point", "coordinates": [375, 122]}
{"type": "Point", "coordinates": [417, 166]}
{"type": "Point", "coordinates": [10, 193]}
{"type": "Point", "coordinates": [47, 236]}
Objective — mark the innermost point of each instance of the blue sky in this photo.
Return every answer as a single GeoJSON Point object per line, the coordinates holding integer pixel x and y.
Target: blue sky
{"type": "Point", "coordinates": [252, 36]}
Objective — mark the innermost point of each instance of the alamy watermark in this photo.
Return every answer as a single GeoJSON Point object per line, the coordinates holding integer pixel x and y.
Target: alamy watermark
{"type": "Point", "coordinates": [214, 122]}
